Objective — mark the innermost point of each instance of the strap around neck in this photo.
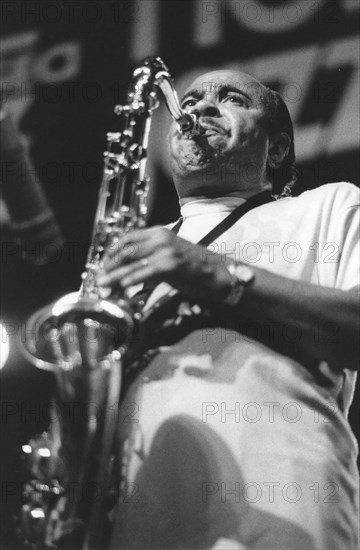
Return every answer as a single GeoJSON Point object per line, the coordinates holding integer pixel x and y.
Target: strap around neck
{"type": "Point", "coordinates": [232, 218]}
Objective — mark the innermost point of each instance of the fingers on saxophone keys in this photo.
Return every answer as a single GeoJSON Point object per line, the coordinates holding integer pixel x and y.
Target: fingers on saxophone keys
{"type": "Point", "coordinates": [120, 253]}
{"type": "Point", "coordinates": [127, 275]}
{"type": "Point", "coordinates": [126, 248]}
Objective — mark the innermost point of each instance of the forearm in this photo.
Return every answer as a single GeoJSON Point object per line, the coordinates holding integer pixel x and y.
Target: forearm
{"type": "Point", "coordinates": [310, 322]}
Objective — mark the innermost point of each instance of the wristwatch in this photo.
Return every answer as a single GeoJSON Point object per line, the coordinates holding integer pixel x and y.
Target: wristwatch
{"type": "Point", "coordinates": [241, 276]}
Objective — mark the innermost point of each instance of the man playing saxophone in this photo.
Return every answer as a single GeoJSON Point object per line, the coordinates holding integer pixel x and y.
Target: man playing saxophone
{"type": "Point", "coordinates": [241, 437]}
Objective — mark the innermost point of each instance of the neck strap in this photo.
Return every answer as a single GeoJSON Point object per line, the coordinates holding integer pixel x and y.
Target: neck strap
{"type": "Point", "coordinates": [231, 219]}
{"type": "Point", "coordinates": [219, 229]}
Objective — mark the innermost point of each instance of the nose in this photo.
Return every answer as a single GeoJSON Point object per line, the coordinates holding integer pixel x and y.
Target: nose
{"type": "Point", "coordinates": [206, 108]}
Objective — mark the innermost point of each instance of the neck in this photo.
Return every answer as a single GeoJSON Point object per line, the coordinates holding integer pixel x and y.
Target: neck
{"type": "Point", "coordinates": [244, 194]}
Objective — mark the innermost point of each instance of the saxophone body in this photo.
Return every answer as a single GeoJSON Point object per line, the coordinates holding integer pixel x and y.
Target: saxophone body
{"type": "Point", "coordinates": [83, 339]}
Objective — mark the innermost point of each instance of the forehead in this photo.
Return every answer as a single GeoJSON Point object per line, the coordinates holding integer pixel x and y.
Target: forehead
{"type": "Point", "coordinates": [212, 82]}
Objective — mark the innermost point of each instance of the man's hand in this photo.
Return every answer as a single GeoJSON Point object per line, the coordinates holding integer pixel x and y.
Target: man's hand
{"type": "Point", "coordinates": [156, 255]}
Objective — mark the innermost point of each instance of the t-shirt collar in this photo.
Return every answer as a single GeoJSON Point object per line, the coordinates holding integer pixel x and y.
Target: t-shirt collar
{"type": "Point", "coordinates": [199, 207]}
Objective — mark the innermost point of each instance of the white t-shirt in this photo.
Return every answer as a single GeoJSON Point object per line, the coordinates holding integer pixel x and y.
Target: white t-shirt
{"type": "Point", "coordinates": [232, 440]}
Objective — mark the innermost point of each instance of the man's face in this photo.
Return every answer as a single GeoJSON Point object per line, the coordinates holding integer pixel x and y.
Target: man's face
{"type": "Point", "coordinates": [230, 154]}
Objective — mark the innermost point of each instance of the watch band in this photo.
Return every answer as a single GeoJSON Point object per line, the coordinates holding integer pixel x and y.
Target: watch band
{"type": "Point", "coordinates": [241, 276]}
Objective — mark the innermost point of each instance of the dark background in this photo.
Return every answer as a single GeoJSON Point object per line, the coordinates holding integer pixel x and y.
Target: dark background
{"type": "Point", "coordinates": [64, 67]}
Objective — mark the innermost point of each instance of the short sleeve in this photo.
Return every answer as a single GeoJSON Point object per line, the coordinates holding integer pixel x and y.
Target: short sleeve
{"type": "Point", "coordinates": [348, 225]}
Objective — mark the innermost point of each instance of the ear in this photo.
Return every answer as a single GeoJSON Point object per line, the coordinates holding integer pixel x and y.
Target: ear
{"type": "Point", "coordinates": [278, 149]}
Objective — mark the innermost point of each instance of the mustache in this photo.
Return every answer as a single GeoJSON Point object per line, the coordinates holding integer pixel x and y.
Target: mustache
{"type": "Point", "coordinates": [209, 123]}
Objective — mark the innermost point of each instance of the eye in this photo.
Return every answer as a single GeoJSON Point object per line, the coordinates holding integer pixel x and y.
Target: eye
{"type": "Point", "coordinates": [189, 102]}
{"type": "Point", "coordinates": [233, 97]}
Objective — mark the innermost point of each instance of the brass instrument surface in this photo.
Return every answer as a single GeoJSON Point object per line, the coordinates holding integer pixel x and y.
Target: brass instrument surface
{"type": "Point", "coordinates": [84, 339]}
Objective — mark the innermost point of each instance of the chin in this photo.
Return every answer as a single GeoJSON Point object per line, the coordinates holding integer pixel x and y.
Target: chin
{"type": "Point", "coordinates": [194, 155]}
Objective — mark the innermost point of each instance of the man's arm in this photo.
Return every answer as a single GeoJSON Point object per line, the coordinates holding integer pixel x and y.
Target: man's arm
{"type": "Point", "coordinates": [314, 323]}
{"type": "Point", "coordinates": [310, 323]}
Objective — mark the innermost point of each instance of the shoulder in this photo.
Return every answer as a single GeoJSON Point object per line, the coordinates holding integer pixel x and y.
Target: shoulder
{"type": "Point", "coordinates": [326, 199]}
{"type": "Point", "coordinates": [340, 193]}
{"type": "Point", "coordinates": [328, 207]}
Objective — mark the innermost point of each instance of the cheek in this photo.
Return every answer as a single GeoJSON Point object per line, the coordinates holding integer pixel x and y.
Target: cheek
{"type": "Point", "coordinates": [180, 150]}
{"type": "Point", "coordinates": [177, 145]}
{"type": "Point", "coordinates": [186, 155]}
{"type": "Point", "coordinates": [171, 139]}
{"type": "Point", "coordinates": [250, 134]}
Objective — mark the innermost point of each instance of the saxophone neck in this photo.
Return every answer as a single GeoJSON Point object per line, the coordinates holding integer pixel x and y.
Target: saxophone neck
{"type": "Point", "coordinates": [187, 122]}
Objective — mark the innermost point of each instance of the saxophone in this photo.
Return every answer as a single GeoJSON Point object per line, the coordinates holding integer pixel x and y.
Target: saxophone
{"type": "Point", "coordinates": [83, 339]}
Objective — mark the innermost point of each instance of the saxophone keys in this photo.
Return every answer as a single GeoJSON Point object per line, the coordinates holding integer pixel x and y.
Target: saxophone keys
{"type": "Point", "coordinates": [113, 137]}
{"type": "Point", "coordinates": [120, 109]}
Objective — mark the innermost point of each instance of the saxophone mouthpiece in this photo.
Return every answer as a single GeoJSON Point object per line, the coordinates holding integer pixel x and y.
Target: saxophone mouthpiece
{"type": "Point", "coordinates": [189, 125]}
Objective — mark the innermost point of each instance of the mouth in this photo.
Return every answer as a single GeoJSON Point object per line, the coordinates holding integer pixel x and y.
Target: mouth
{"type": "Point", "coordinates": [209, 136]}
{"type": "Point", "coordinates": [211, 128]}
{"type": "Point", "coordinates": [210, 132]}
